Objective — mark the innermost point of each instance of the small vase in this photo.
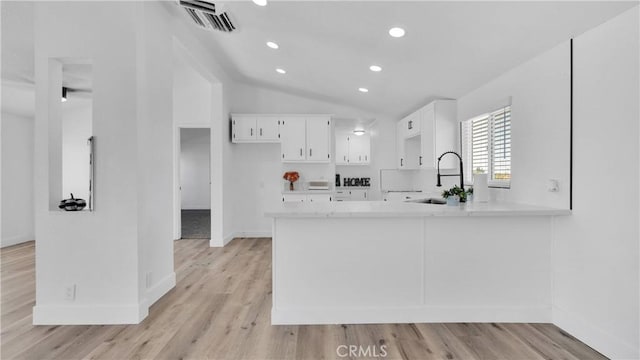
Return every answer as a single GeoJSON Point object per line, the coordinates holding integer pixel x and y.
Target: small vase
{"type": "Point", "coordinates": [453, 200]}
{"type": "Point", "coordinates": [291, 185]}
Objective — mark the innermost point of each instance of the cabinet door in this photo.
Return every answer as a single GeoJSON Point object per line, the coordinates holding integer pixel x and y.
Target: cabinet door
{"type": "Point", "coordinates": [446, 132]}
{"type": "Point", "coordinates": [318, 139]}
{"type": "Point", "coordinates": [319, 197]}
{"type": "Point", "coordinates": [427, 146]}
{"type": "Point", "coordinates": [359, 195]}
{"type": "Point", "coordinates": [292, 139]}
{"type": "Point", "coordinates": [400, 153]}
{"type": "Point", "coordinates": [294, 197]}
{"type": "Point", "coordinates": [359, 149]}
{"type": "Point", "coordinates": [244, 128]}
{"type": "Point", "coordinates": [268, 129]}
{"type": "Point", "coordinates": [342, 149]}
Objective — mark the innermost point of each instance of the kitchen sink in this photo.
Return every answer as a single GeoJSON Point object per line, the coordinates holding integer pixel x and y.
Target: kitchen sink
{"type": "Point", "coordinates": [429, 201]}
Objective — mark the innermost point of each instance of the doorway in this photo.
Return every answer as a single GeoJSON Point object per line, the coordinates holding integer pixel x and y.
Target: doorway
{"type": "Point", "coordinates": [195, 183]}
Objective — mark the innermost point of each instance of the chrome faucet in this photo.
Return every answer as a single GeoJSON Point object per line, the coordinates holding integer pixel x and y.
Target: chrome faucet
{"type": "Point", "coordinates": [461, 171]}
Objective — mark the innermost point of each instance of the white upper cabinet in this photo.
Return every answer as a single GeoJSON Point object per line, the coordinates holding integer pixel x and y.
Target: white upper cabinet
{"type": "Point", "coordinates": [305, 139]}
{"type": "Point", "coordinates": [359, 149]}
{"type": "Point", "coordinates": [352, 149]}
{"type": "Point", "coordinates": [255, 128]}
{"type": "Point", "coordinates": [342, 148]}
{"type": "Point", "coordinates": [318, 139]}
{"type": "Point", "coordinates": [293, 139]}
{"type": "Point", "coordinates": [268, 129]}
{"type": "Point", "coordinates": [243, 128]}
{"type": "Point", "coordinates": [400, 144]}
{"type": "Point", "coordinates": [437, 132]}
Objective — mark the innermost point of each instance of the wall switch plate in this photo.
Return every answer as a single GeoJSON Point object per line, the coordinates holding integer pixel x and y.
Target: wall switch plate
{"type": "Point", "coordinates": [552, 185]}
{"type": "Point", "coordinates": [70, 292]}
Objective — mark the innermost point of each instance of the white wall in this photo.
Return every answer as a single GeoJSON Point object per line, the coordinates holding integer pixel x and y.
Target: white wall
{"type": "Point", "coordinates": [190, 43]}
{"type": "Point", "coordinates": [539, 91]}
{"type": "Point", "coordinates": [17, 179]}
{"type": "Point", "coordinates": [595, 255]}
{"type": "Point", "coordinates": [194, 168]}
{"type": "Point", "coordinates": [76, 130]}
{"type": "Point", "coordinates": [257, 169]}
{"type": "Point", "coordinates": [98, 252]}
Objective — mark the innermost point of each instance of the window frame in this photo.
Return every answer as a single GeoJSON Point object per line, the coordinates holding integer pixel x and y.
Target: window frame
{"type": "Point", "coordinates": [466, 142]}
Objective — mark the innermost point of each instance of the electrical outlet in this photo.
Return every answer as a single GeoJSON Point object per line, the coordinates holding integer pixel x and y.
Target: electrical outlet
{"type": "Point", "coordinates": [149, 279]}
{"type": "Point", "coordinates": [70, 292]}
{"type": "Point", "coordinates": [553, 185]}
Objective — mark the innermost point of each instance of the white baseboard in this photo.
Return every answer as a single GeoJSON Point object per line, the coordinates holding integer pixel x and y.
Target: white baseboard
{"type": "Point", "coordinates": [241, 234]}
{"type": "Point", "coordinates": [89, 315]}
{"type": "Point", "coordinates": [608, 344]}
{"type": "Point", "coordinates": [15, 240]}
{"type": "Point", "coordinates": [403, 315]}
{"type": "Point", "coordinates": [158, 290]}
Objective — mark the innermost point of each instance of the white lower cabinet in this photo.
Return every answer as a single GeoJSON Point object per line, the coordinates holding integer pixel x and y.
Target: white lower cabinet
{"type": "Point", "coordinates": [351, 195]}
{"type": "Point", "coordinates": [307, 197]}
{"type": "Point", "coordinates": [319, 197]}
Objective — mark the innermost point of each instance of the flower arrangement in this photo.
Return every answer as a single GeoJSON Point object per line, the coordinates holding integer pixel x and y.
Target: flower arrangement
{"type": "Point", "coordinates": [291, 177]}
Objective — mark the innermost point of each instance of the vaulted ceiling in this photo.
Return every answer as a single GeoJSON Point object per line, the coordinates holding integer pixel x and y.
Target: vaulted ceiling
{"type": "Point", "coordinates": [326, 47]}
{"type": "Point", "coordinates": [450, 48]}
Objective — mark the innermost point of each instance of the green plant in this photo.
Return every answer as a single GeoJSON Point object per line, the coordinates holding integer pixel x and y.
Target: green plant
{"type": "Point", "coordinates": [457, 190]}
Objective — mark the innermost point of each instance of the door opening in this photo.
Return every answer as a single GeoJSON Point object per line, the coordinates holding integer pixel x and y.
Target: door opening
{"type": "Point", "coordinates": [195, 183]}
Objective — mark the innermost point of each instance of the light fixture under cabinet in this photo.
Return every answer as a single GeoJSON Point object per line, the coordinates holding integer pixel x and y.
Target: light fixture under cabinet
{"type": "Point", "coordinates": [375, 68]}
{"type": "Point", "coordinates": [281, 71]}
{"type": "Point", "coordinates": [272, 45]}
{"type": "Point", "coordinates": [363, 90]}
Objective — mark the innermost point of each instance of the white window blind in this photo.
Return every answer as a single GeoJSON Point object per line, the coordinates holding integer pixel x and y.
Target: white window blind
{"type": "Point", "coordinates": [486, 142]}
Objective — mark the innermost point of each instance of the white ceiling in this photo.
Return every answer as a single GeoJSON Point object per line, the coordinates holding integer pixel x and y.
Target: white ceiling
{"type": "Point", "coordinates": [450, 48]}
{"type": "Point", "coordinates": [327, 47]}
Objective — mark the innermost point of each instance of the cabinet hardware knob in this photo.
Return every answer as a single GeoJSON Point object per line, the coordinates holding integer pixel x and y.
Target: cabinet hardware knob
{"type": "Point", "coordinates": [251, 131]}
{"type": "Point", "coordinates": [260, 131]}
{"type": "Point", "coordinates": [300, 151]}
{"type": "Point", "coordinates": [421, 160]}
{"type": "Point", "coordinates": [310, 152]}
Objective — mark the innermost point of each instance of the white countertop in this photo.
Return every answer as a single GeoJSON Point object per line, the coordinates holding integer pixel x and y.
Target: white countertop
{"type": "Point", "coordinates": [360, 209]}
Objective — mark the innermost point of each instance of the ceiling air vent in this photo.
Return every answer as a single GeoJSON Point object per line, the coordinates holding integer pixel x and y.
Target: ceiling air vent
{"type": "Point", "coordinates": [204, 15]}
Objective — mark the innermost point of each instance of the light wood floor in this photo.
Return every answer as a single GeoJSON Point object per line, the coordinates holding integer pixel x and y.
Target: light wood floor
{"type": "Point", "coordinates": [221, 307]}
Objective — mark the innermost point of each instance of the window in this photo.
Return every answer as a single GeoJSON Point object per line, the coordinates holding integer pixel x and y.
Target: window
{"type": "Point", "coordinates": [487, 146]}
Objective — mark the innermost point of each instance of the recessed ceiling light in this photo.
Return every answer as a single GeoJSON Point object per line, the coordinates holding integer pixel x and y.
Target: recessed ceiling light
{"type": "Point", "coordinates": [281, 71]}
{"type": "Point", "coordinates": [358, 132]}
{"type": "Point", "coordinates": [396, 32]}
{"type": "Point", "coordinates": [260, 2]}
{"type": "Point", "coordinates": [272, 45]}
{"type": "Point", "coordinates": [364, 90]}
{"type": "Point", "coordinates": [375, 68]}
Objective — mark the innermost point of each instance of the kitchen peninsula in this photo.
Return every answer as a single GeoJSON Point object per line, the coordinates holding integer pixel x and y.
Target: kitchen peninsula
{"type": "Point", "coordinates": [388, 262]}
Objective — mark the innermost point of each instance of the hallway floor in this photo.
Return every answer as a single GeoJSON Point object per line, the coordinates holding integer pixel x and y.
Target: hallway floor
{"type": "Point", "coordinates": [196, 224]}
{"type": "Point", "coordinates": [220, 309]}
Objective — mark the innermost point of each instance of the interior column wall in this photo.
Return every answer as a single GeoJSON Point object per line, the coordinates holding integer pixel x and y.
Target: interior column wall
{"type": "Point", "coordinates": [595, 255]}
{"type": "Point", "coordinates": [95, 252]}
